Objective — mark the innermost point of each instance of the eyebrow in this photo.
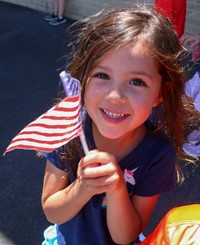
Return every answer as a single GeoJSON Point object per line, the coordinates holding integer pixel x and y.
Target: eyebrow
{"type": "Point", "coordinates": [141, 73]}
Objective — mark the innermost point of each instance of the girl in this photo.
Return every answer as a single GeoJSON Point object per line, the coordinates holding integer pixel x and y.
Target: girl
{"type": "Point", "coordinates": [128, 63]}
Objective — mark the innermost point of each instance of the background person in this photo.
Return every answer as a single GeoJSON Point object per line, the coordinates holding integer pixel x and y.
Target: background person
{"type": "Point", "coordinates": [175, 10]}
{"type": "Point", "coordinates": [57, 17]}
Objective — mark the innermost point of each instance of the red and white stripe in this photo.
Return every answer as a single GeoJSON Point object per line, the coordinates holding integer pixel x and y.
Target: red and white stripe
{"type": "Point", "coordinates": [54, 128]}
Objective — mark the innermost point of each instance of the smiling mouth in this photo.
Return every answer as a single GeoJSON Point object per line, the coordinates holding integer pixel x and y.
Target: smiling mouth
{"type": "Point", "coordinates": [113, 115]}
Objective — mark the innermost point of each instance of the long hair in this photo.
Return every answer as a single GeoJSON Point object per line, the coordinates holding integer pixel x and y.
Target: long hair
{"type": "Point", "coordinates": [103, 33]}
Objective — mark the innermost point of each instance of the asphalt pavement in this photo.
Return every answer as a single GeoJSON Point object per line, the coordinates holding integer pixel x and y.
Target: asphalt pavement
{"type": "Point", "coordinates": [32, 54]}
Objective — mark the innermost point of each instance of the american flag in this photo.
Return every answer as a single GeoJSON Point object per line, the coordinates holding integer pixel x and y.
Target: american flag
{"type": "Point", "coordinates": [57, 126]}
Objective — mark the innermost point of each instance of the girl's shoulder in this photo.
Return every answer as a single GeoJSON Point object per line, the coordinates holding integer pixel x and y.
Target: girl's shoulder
{"type": "Point", "coordinates": [159, 141]}
{"type": "Point", "coordinates": [53, 158]}
{"type": "Point", "coordinates": [156, 144]}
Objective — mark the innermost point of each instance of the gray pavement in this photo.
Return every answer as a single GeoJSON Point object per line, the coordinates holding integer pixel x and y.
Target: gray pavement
{"type": "Point", "coordinates": [31, 56]}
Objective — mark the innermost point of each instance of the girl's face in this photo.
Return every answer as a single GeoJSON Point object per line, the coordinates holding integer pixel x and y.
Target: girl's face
{"type": "Point", "coordinates": [122, 89]}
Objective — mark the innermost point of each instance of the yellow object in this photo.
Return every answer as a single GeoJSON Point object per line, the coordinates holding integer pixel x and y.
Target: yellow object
{"type": "Point", "coordinates": [180, 226]}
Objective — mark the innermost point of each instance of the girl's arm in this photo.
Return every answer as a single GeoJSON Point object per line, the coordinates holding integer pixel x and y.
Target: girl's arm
{"type": "Point", "coordinates": [61, 201]}
{"type": "Point", "coordinates": [126, 218]}
{"type": "Point", "coordinates": [98, 172]}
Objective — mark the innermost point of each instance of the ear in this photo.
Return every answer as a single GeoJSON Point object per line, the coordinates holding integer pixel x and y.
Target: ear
{"type": "Point", "coordinates": [158, 100]}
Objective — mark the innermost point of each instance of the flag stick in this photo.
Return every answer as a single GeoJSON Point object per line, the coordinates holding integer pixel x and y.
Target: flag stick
{"type": "Point", "coordinates": [71, 87]}
{"type": "Point", "coordinates": [84, 143]}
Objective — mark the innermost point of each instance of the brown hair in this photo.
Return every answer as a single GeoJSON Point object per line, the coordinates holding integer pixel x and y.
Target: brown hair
{"type": "Point", "coordinates": [113, 28]}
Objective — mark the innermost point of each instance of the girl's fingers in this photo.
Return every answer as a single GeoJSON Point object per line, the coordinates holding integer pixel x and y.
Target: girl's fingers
{"type": "Point", "coordinates": [103, 181]}
{"type": "Point", "coordinates": [99, 185]}
{"type": "Point", "coordinates": [96, 157]}
{"type": "Point", "coordinates": [98, 171]}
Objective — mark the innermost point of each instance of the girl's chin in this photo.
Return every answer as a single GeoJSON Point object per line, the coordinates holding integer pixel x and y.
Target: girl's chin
{"type": "Point", "coordinates": [111, 135]}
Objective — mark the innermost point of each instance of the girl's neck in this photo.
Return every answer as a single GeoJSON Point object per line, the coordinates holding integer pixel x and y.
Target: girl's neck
{"type": "Point", "coordinates": [119, 147]}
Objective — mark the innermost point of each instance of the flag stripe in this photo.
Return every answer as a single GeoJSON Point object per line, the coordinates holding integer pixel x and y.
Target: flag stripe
{"type": "Point", "coordinates": [57, 113]}
{"type": "Point", "coordinates": [53, 123]}
{"type": "Point", "coordinates": [54, 112]}
{"type": "Point", "coordinates": [44, 140]}
{"type": "Point", "coordinates": [43, 147]}
{"type": "Point", "coordinates": [60, 117]}
{"type": "Point", "coordinates": [56, 127]}
{"type": "Point", "coordinates": [42, 133]}
{"type": "Point", "coordinates": [63, 109]}
{"type": "Point", "coordinates": [42, 136]}
{"type": "Point", "coordinates": [42, 130]}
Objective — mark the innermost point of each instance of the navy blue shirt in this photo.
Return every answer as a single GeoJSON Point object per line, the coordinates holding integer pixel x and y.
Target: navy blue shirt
{"type": "Point", "coordinates": [149, 169]}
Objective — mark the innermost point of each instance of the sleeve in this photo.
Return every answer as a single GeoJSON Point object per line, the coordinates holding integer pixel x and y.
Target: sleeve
{"type": "Point", "coordinates": [160, 175]}
{"type": "Point", "coordinates": [53, 158]}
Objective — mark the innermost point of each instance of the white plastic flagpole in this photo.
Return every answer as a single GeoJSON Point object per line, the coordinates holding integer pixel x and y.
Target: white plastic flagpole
{"type": "Point", "coordinates": [84, 143]}
{"type": "Point", "coordinates": [70, 89]}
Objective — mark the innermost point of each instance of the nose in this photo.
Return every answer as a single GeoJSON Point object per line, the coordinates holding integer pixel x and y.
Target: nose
{"type": "Point", "coordinates": [116, 95]}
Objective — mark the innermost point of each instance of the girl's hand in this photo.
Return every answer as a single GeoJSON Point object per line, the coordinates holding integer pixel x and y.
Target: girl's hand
{"type": "Point", "coordinates": [99, 172]}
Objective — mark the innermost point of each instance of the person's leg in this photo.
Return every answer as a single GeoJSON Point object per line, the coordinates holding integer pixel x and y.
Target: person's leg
{"type": "Point", "coordinates": [56, 7]}
{"type": "Point", "coordinates": [54, 14]}
{"type": "Point", "coordinates": [61, 8]}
